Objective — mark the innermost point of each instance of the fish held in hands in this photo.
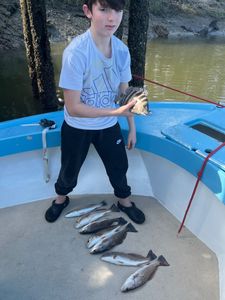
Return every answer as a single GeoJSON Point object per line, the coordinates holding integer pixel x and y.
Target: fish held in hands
{"type": "Point", "coordinates": [128, 259]}
{"type": "Point", "coordinates": [143, 274]}
{"type": "Point", "coordinates": [77, 212]}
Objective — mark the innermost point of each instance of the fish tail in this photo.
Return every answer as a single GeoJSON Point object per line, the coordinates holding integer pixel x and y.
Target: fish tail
{"type": "Point", "coordinates": [131, 228]}
{"type": "Point", "coordinates": [114, 208]}
{"type": "Point", "coordinates": [103, 203]}
{"type": "Point", "coordinates": [121, 221]}
{"type": "Point", "coordinates": [163, 261]}
{"type": "Point", "coordinates": [151, 255]}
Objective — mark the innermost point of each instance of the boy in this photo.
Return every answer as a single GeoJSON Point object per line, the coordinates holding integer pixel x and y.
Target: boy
{"type": "Point", "coordinates": [96, 68]}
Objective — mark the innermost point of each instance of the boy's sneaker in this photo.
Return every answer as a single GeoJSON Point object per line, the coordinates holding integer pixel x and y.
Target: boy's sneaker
{"type": "Point", "coordinates": [134, 213]}
{"type": "Point", "coordinates": [54, 211]}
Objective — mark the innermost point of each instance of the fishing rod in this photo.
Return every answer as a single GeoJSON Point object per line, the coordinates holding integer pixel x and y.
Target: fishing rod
{"type": "Point", "coordinates": [178, 91]}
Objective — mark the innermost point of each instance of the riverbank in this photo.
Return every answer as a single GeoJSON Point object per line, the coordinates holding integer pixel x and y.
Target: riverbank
{"type": "Point", "coordinates": [192, 19]}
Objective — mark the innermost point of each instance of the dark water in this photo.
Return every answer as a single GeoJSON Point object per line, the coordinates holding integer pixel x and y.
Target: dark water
{"type": "Point", "coordinates": [194, 66]}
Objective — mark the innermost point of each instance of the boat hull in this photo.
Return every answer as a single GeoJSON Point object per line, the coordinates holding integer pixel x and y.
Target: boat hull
{"type": "Point", "coordinates": [164, 165]}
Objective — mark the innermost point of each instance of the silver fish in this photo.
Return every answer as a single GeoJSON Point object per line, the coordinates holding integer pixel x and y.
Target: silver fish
{"type": "Point", "coordinates": [95, 215]}
{"type": "Point", "coordinates": [96, 226]}
{"type": "Point", "coordinates": [128, 259]}
{"type": "Point", "coordinates": [143, 274]}
{"type": "Point", "coordinates": [116, 239]}
{"type": "Point", "coordinates": [84, 210]}
{"type": "Point", "coordinates": [94, 239]}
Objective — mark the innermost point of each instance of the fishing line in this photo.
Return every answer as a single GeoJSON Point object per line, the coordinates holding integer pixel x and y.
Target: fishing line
{"type": "Point", "coordinates": [178, 91]}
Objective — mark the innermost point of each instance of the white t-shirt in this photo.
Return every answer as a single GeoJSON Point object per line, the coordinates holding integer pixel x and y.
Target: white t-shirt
{"type": "Point", "coordinates": [86, 69]}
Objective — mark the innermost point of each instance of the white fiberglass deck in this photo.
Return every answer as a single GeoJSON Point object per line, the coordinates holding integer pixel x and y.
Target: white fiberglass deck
{"type": "Point", "coordinates": [46, 261]}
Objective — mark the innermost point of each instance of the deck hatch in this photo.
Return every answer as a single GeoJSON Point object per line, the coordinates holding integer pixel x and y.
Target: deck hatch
{"type": "Point", "coordinates": [219, 136]}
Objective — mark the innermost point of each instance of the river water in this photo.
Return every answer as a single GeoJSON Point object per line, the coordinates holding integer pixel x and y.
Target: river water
{"type": "Point", "coordinates": [196, 66]}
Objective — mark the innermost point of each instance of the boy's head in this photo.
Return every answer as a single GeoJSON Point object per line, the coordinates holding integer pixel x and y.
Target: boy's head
{"type": "Point", "coordinates": [114, 4]}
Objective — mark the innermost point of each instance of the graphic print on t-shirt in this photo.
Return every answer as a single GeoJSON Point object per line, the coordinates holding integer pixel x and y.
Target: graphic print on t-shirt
{"type": "Point", "coordinates": [102, 91]}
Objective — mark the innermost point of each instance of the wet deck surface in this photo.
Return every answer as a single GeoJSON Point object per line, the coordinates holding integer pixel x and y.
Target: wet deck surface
{"type": "Point", "coordinates": [46, 261]}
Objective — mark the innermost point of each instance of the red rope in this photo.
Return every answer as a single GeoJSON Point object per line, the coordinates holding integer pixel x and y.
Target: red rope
{"type": "Point", "coordinates": [178, 91]}
{"type": "Point", "coordinates": [200, 173]}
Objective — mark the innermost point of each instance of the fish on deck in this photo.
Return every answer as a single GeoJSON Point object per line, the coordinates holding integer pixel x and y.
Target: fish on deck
{"type": "Point", "coordinates": [77, 212]}
{"type": "Point", "coordinates": [143, 274]}
{"type": "Point", "coordinates": [98, 225]}
{"type": "Point", "coordinates": [115, 239]}
{"type": "Point", "coordinates": [106, 233]}
{"type": "Point", "coordinates": [128, 259]}
{"type": "Point", "coordinates": [95, 215]}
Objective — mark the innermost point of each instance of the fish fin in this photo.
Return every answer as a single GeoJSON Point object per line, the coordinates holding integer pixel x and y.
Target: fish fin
{"type": "Point", "coordinates": [78, 219]}
{"type": "Point", "coordinates": [122, 221]}
{"type": "Point", "coordinates": [103, 203]}
{"type": "Point", "coordinates": [151, 255]}
{"type": "Point", "coordinates": [163, 261]}
{"type": "Point", "coordinates": [131, 228]}
{"type": "Point", "coordinates": [114, 208]}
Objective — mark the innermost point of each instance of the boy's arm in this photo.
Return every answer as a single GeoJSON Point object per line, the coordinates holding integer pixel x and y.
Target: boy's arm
{"type": "Point", "coordinates": [131, 141]}
{"type": "Point", "coordinates": [77, 108]}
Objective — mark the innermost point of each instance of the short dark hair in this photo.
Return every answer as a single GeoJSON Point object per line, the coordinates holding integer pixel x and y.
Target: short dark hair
{"type": "Point", "coordinates": [114, 4]}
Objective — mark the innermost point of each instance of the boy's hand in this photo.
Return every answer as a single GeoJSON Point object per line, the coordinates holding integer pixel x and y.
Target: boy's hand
{"type": "Point", "coordinates": [140, 95]}
{"type": "Point", "coordinates": [131, 140]}
{"type": "Point", "coordinates": [125, 110]}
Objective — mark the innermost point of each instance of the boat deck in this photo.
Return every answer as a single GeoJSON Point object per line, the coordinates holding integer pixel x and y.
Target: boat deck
{"type": "Point", "coordinates": [46, 261]}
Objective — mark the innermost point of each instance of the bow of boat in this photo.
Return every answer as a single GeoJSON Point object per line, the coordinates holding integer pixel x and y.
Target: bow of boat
{"type": "Point", "coordinates": [173, 143]}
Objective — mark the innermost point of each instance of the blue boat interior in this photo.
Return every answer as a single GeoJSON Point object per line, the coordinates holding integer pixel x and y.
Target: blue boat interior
{"type": "Point", "coordinates": [183, 133]}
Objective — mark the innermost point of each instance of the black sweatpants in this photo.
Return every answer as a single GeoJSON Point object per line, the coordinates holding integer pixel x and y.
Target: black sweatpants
{"type": "Point", "coordinates": [110, 146]}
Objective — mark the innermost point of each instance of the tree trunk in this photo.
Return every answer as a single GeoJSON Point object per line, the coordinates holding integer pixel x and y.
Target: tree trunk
{"type": "Point", "coordinates": [119, 32]}
{"type": "Point", "coordinates": [38, 52]}
{"type": "Point", "coordinates": [137, 38]}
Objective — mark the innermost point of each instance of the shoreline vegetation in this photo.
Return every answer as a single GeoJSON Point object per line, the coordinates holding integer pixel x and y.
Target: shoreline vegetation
{"type": "Point", "coordinates": [168, 19]}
